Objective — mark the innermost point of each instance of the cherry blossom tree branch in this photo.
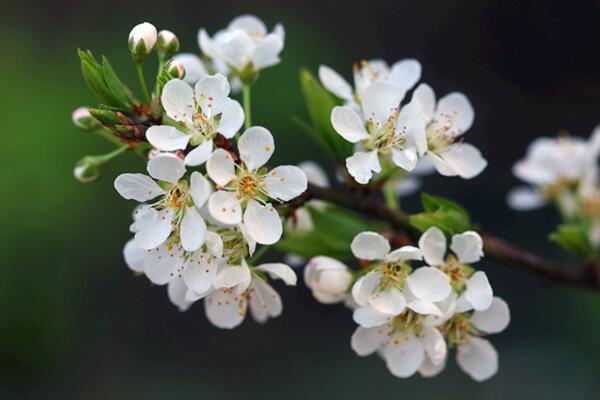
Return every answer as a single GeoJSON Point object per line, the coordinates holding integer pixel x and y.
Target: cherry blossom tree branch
{"type": "Point", "coordinates": [496, 249]}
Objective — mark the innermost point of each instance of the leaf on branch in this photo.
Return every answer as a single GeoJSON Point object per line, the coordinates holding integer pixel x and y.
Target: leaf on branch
{"type": "Point", "coordinates": [333, 231]}
{"type": "Point", "coordinates": [443, 213]}
{"type": "Point", "coordinates": [573, 238]}
{"type": "Point", "coordinates": [320, 103]}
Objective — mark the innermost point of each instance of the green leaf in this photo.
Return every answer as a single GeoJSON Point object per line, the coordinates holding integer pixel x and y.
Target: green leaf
{"type": "Point", "coordinates": [443, 213]}
{"type": "Point", "coordinates": [332, 233]}
{"type": "Point", "coordinates": [319, 103]}
{"type": "Point", "coordinates": [573, 238]}
{"type": "Point", "coordinates": [114, 84]}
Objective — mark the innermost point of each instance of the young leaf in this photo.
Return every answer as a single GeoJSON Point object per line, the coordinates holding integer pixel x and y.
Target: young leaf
{"type": "Point", "coordinates": [573, 238]}
{"type": "Point", "coordinates": [446, 214]}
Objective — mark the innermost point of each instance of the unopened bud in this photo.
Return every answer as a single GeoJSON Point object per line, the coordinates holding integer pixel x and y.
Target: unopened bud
{"type": "Point", "coordinates": [87, 169]}
{"type": "Point", "coordinates": [328, 279]}
{"type": "Point", "coordinates": [142, 39]}
{"type": "Point", "coordinates": [167, 44]}
{"type": "Point", "coordinates": [176, 69]}
{"type": "Point", "coordinates": [84, 120]}
{"type": "Point", "coordinates": [106, 117]}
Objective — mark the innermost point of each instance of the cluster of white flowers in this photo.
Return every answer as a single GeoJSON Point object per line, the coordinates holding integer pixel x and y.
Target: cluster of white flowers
{"type": "Point", "coordinates": [412, 316]}
{"type": "Point", "coordinates": [205, 206]}
{"type": "Point", "coordinates": [387, 132]}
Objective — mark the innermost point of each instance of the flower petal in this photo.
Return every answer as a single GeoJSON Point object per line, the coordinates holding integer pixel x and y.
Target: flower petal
{"type": "Point", "coordinates": [263, 222]}
{"type": "Point", "coordinates": [370, 246]}
{"type": "Point", "coordinates": [256, 147]}
{"type": "Point", "coordinates": [164, 263]}
{"type": "Point", "coordinates": [404, 357]}
{"type": "Point", "coordinates": [433, 245]}
{"type": "Point", "coordinates": [429, 284]}
{"type": "Point", "coordinates": [364, 287]}
{"type": "Point", "coordinates": [264, 301]}
{"type": "Point", "coordinates": [178, 101]}
{"type": "Point", "coordinates": [405, 73]}
{"type": "Point", "coordinates": [199, 189]}
{"type": "Point", "coordinates": [176, 290]}
{"type": "Point", "coordinates": [167, 138]}
{"type": "Point", "coordinates": [348, 124]}
{"type": "Point", "coordinates": [380, 101]}
{"type": "Point", "coordinates": [166, 167]}
{"type": "Point", "coordinates": [232, 119]}
{"type": "Point", "coordinates": [200, 272]}
{"type": "Point", "coordinates": [220, 167]}
{"type": "Point", "coordinates": [406, 158]}
{"type": "Point", "coordinates": [525, 198]}
{"type": "Point", "coordinates": [225, 309]}
{"type": "Point", "coordinates": [464, 159]}
{"type": "Point", "coordinates": [192, 229]}
{"type": "Point", "coordinates": [314, 173]}
{"type": "Point", "coordinates": [468, 246]}
{"type": "Point", "coordinates": [405, 253]}
{"type": "Point", "coordinates": [478, 359]}
{"type": "Point", "coordinates": [285, 182]}
{"type": "Point", "coordinates": [199, 154]}
{"type": "Point", "coordinates": [225, 207]}
{"type": "Point", "coordinates": [266, 52]}
{"type": "Point", "coordinates": [479, 293]}
{"type": "Point", "coordinates": [389, 301]}
{"type": "Point", "coordinates": [279, 271]}
{"type": "Point", "coordinates": [211, 93]}
{"type": "Point", "coordinates": [434, 344]}
{"type": "Point", "coordinates": [361, 166]}
{"type": "Point", "coordinates": [214, 244]}
{"type": "Point", "coordinates": [193, 66]}
{"type": "Point", "coordinates": [134, 256]}
{"type": "Point", "coordinates": [459, 106]}
{"type": "Point", "coordinates": [248, 23]}
{"type": "Point", "coordinates": [494, 319]}
{"type": "Point", "coordinates": [366, 341]}
{"type": "Point", "coordinates": [154, 227]}
{"type": "Point", "coordinates": [368, 317]}
{"type": "Point", "coordinates": [425, 95]}
{"type": "Point", "coordinates": [335, 83]}
{"type": "Point", "coordinates": [232, 275]}
{"type": "Point", "coordinates": [137, 187]}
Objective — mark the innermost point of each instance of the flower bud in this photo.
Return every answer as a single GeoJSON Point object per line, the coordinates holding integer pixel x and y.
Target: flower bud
{"type": "Point", "coordinates": [167, 44]}
{"type": "Point", "coordinates": [328, 278]}
{"type": "Point", "coordinates": [142, 39]}
{"type": "Point", "coordinates": [87, 169]}
{"type": "Point", "coordinates": [84, 120]}
{"type": "Point", "coordinates": [176, 69]}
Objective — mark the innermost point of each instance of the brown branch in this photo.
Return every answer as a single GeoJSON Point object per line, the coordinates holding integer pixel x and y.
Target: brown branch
{"type": "Point", "coordinates": [496, 249]}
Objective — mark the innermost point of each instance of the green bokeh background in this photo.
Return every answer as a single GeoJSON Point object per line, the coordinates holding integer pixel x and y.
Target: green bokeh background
{"type": "Point", "coordinates": [75, 323]}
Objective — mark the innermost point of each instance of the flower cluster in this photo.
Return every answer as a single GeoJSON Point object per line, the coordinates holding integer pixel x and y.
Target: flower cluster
{"type": "Point", "coordinates": [387, 132]}
{"type": "Point", "coordinates": [413, 315]}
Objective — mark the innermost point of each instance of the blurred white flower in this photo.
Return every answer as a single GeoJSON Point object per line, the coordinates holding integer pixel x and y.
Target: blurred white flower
{"type": "Point", "coordinates": [202, 112]}
{"type": "Point", "coordinates": [245, 46]}
{"type": "Point", "coordinates": [244, 187]}
{"type": "Point", "coordinates": [328, 279]}
{"type": "Point", "coordinates": [446, 121]}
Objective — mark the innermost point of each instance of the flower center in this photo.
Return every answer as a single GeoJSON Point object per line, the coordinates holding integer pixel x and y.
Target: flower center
{"type": "Point", "coordinates": [459, 328]}
{"type": "Point", "coordinates": [384, 138]}
{"type": "Point", "coordinates": [440, 132]}
{"type": "Point", "coordinates": [456, 271]}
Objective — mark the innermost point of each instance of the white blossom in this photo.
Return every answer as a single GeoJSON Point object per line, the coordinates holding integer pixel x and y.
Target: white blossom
{"type": "Point", "coordinates": [328, 279]}
{"type": "Point", "coordinates": [142, 39]}
{"type": "Point", "coordinates": [202, 113]}
{"type": "Point", "coordinates": [245, 189]}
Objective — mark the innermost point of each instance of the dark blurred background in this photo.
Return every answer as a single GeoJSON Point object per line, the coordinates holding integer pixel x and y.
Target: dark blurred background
{"type": "Point", "coordinates": [75, 323]}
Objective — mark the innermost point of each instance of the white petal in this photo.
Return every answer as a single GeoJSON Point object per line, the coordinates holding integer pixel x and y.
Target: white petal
{"type": "Point", "coordinates": [232, 275]}
{"type": "Point", "coordinates": [335, 83]}
{"type": "Point", "coordinates": [494, 319]}
{"type": "Point", "coordinates": [314, 173]}
{"type": "Point", "coordinates": [433, 245]}
{"type": "Point", "coordinates": [199, 154]}
{"type": "Point", "coordinates": [411, 125]}
{"type": "Point", "coordinates": [380, 101]}
{"type": "Point", "coordinates": [134, 256]}
{"type": "Point", "coordinates": [211, 93]}
{"type": "Point", "coordinates": [405, 159]}
{"type": "Point", "coordinates": [429, 370]}
{"type": "Point", "coordinates": [220, 167]}
{"type": "Point", "coordinates": [389, 301]}
{"type": "Point", "coordinates": [405, 253]}
{"type": "Point", "coordinates": [137, 187]}
{"type": "Point", "coordinates": [425, 308]}
{"type": "Point", "coordinates": [457, 105]}
{"type": "Point", "coordinates": [464, 159]}
{"type": "Point", "coordinates": [214, 244]}
{"type": "Point", "coordinates": [193, 66]}
{"type": "Point", "coordinates": [235, 49]}
{"type": "Point", "coordinates": [225, 207]}
{"type": "Point", "coordinates": [256, 146]}
{"type": "Point", "coordinates": [264, 301]}
{"type": "Point", "coordinates": [285, 183]}
{"type": "Point", "coordinates": [348, 124]}
{"type": "Point", "coordinates": [478, 359]}
{"type": "Point", "coordinates": [440, 165]}
{"type": "Point", "coordinates": [429, 284]}
{"type": "Point", "coordinates": [361, 166]}
{"type": "Point", "coordinates": [368, 317]}
{"type": "Point", "coordinates": [279, 271]}
{"type": "Point", "coordinates": [249, 239]}
{"type": "Point", "coordinates": [178, 101]}
{"type": "Point", "coordinates": [263, 222]}
{"type": "Point", "coordinates": [366, 341]}
{"type": "Point", "coordinates": [525, 198]}
{"type": "Point", "coordinates": [364, 287]}
{"type": "Point", "coordinates": [164, 263]}
{"type": "Point", "coordinates": [403, 359]}
{"type": "Point", "coordinates": [426, 97]}
{"type": "Point", "coordinates": [199, 189]}
{"type": "Point", "coordinates": [405, 73]}
{"type": "Point", "coordinates": [166, 167]}
{"type": "Point", "coordinates": [225, 309]}
{"type": "Point", "coordinates": [176, 290]}
{"type": "Point", "coordinates": [154, 228]}
{"type": "Point", "coordinates": [200, 272]}
{"type": "Point", "coordinates": [407, 185]}
{"type": "Point", "coordinates": [479, 293]}
{"type": "Point", "coordinates": [232, 119]}
{"type": "Point", "coordinates": [434, 344]}
{"type": "Point", "coordinates": [167, 138]}
{"type": "Point", "coordinates": [192, 229]}
{"type": "Point", "coordinates": [468, 246]}
{"type": "Point", "coordinates": [248, 23]}
{"type": "Point", "coordinates": [266, 52]}
{"type": "Point", "coordinates": [370, 246]}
